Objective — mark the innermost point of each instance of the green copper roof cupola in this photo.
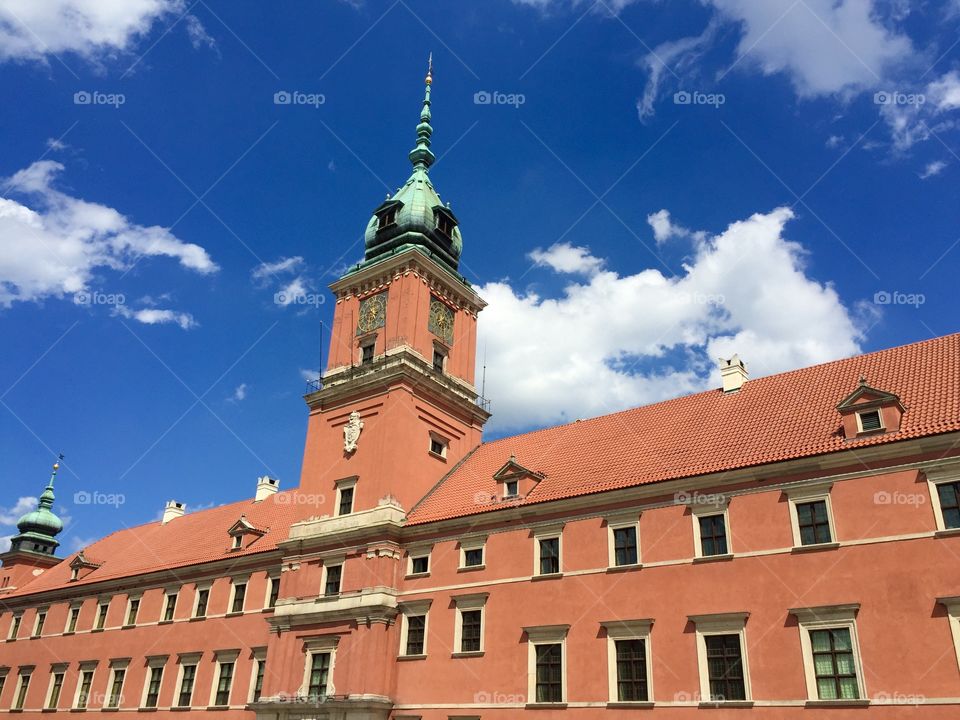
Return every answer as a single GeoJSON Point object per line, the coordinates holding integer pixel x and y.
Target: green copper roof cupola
{"type": "Point", "coordinates": [415, 216]}
{"type": "Point", "coordinates": [39, 528]}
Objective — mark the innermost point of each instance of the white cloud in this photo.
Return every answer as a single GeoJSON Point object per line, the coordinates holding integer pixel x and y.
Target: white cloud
{"type": "Point", "coordinates": [945, 92]}
{"type": "Point", "coordinates": [156, 316]}
{"type": "Point", "coordinates": [53, 246]}
{"type": "Point", "coordinates": [76, 544]}
{"type": "Point", "coordinates": [665, 229]}
{"type": "Point", "coordinates": [309, 375]}
{"type": "Point", "coordinates": [633, 339]}
{"type": "Point", "coordinates": [283, 265]}
{"type": "Point", "coordinates": [93, 29]}
{"type": "Point", "coordinates": [5, 542]}
{"type": "Point", "coordinates": [9, 516]}
{"type": "Point", "coordinates": [239, 393]}
{"type": "Point", "coordinates": [834, 141]}
{"type": "Point", "coordinates": [56, 145]}
{"type": "Point", "coordinates": [566, 258]}
{"type": "Point", "coordinates": [934, 168]}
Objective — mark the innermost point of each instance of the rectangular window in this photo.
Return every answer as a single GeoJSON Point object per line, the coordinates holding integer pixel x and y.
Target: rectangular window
{"type": "Point", "coordinates": [116, 688]}
{"type": "Point", "coordinates": [41, 621]}
{"type": "Point", "coordinates": [366, 354]}
{"type": "Point", "coordinates": [416, 627]}
{"type": "Point", "coordinates": [55, 688]}
{"type": "Point", "coordinates": [346, 501]}
{"type": "Point", "coordinates": [132, 610]}
{"type": "Point", "coordinates": [15, 627]}
{"type": "Point", "coordinates": [102, 615]}
{"type": "Point", "coordinates": [949, 496]}
{"type": "Point", "coordinates": [72, 619]}
{"type": "Point", "coordinates": [549, 673]}
{"type": "Point", "coordinates": [471, 630]}
{"type": "Point", "coordinates": [813, 522]}
{"type": "Point", "coordinates": [870, 421]}
{"type": "Point", "coordinates": [332, 585]}
{"type": "Point", "coordinates": [170, 607]}
{"type": "Point", "coordinates": [438, 360]}
{"type": "Point", "coordinates": [420, 565]}
{"type": "Point", "coordinates": [83, 690]}
{"type": "Point", "coordinates": [3, 682]}
{"type": "Point", "coordinates": [224, 682]}
{"type": "Point", "coordinates": [185, 696]}
{"type": "Point", "coordinates": [274, 592]}
{"type": "Point", "coordinates": [833, 664]}
{"type": "Point", "coordinates": [319, 674]}
{"type": "Point", "coordinates": [625, 545]}
{"type": "Point", "coordinates": [153, 687]}
{"type": "Point", "coordinates": [437, 447]}
{"type": "Point", "coordinates": [22, 689]}
{"type": "Point", "coordinates": [511, 488]}
{"type": "Point", "coordinates": [203, 597]}
{"type": "Point", "coordinates": [725, 667]}
{"type": "Point", "coordinates": [258, 681]}
{"type": "Point", "coordinates": [631, 670]}
{"type": "Point", "coordinates": [549, 555]}
{"type": "Point", "coordinates": [473, 557]}
{"type": "Point", "coordinates": [239, 595]}
{"type": "Point", "coordinates": [713, 535]}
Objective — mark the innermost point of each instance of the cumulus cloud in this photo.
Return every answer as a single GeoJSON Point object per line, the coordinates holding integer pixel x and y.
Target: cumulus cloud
{"type": "Point", "coordinates": [156, 316]}
{"type": "Point", "coordinates": [566, 258]}
{"type": "Point", "coordinates": [665, 229]}
{"type": "Point", "coordinates": [934, 168]}
{"type": "Point", "coordinates": [239, 393]}
{"type": "Point", "coordinates": [53, 246]}
{"type": "Point", "coordinates": [93, 29]}
{"type": "Point", "coordinates": [9, 517]}
{"type": "Point", "coordinates": [637, 338]}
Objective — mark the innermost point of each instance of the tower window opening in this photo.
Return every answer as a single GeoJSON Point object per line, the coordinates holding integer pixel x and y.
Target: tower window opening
{"type": "Point", "coordinates": [439, 360]}
{"type": "Point", "coordinates": [387, 217]}
{"type": "Point", "coordinates": [366, 354]}
{"type": "Point", "coordinates": [445, 225]}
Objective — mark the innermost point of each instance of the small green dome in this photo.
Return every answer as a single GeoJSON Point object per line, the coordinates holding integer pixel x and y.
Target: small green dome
{"type": "Point", "coordinates": [39, 528]}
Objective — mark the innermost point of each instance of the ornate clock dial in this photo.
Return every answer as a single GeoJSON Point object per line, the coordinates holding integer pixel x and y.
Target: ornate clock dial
{"type": "Point", "coordinates": [440, 321]}
{"type": "Point", "coordinates": [372, 314]}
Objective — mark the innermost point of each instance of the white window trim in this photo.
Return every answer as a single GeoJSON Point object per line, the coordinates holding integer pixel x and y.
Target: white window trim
{"type": "Point", "coordinates": [467, 603]}
{"type": "Point", "coordinates": [478, 542]}
{"type": "Point", "coordinates": [116, 665]}
{"type": "Point", "coordinates": [938, 476]}
{"type": "Point", "coordinates": [153, 662]}
{"type": "Point", "coordinates": [24, 676]}
{"type": "Point", "coordinates": [56, 668]}
{"type": "Point", "coordinates": [341, 485]}
{"type": "Point", "coordinates": [234, 581]}
{"type": "Point", "coordinates": [257, 655]}
{"type": "Point", "coordinates": [721, 624]}
{"type": "Point", "coordinates": [416, 608]}
{"type": "Point", "coordinates": [444, 441]}
{"type": "Point", "coordinates": [184, 660]}
{"type": "Point", "coordinates": [546, 533]}
{"type": "Point", "coordinates": [879, 412]}
{"type": "Point", "coordinates": [628, 630]}
{"type": "Point", "coordinates": [90, 667]}
{"type": "Point", "coordinates": [198, 587]}
{"type": "Point", "coordinates": [45, 613]}
{"type": "Point", "coordinates": [270, 578]}
{"type": "Point", "coordinates": [13, 625]}
{"type": "Point", "coordinates": [506, 483]}
{"type": "Point", "coordinates": [952, 604]}
{"type": "Point", "coordinates": [319, 646]}
{"type": "Point", "coordinates": [810, 493]}
{"type": "Point", "coordinates": [78, 606]}
{"type": "Point", "coordinates": [545, 635]}
{"type": "Point", "coordinates": [222, 657]}
{"type": "Point", "coordinates": [126, 616]}
{"type": "Point", "coordinates": [698, 509]}
{"type": "Point", "coordinates": [328, 562]}
{"type": "Point", "coordinates": [618, 522]}
{"type": "Point", "coordinates": [419, 551]}
{"type": "Point", "coordinates": [824, 618]}
{"type": "Point", "coordinates": [167, 592]}
{"type": "Point", "coordinates": [101, 602]}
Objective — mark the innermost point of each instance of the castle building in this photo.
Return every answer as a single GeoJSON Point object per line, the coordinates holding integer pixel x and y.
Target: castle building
{"type": "Point", "coordinates": [783, 547]}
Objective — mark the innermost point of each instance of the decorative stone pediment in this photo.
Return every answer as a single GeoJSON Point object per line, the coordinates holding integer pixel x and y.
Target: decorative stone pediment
{"type": "Point", "coordinates": [81, 566]}
{"type": "Point", "coordinates": [870, 411]}
{"type": "Point", "coordinates": [514, 475]}
{"type": "Point", "coordinates": [244, 533]}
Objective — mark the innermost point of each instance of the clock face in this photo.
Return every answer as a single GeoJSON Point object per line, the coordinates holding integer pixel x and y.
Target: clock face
{"type": "Point", "coordinates": [373, 313]}
{"type": "Point", "coordinates": [441, 321]}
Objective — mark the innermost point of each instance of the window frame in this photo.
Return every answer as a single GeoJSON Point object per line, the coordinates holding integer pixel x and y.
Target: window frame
{"type": "Point", "coordinates": [156, 662]}
{"type": "Point", "coordinates": [56, 670]}
{"type": "Point", "coordinates": [167, 594]}
{"type": "Point", "coordinates": [622, 522]}
{"type": "Point", "coordinates": [237, 582]}
{"type": "Point", "coordinates": [700, 509]}
{"type": "Point", "coordinates": [416, 608]}
{"type": "Point", "coordinates": [440, 440]}
{"type": "Point", "coordinates": [184, 661]}
{"type": "Point", "coordinates": [472, 602]}
{"type": "Point", "coordinates": [85, 667]}
{"type": "Point", "coordinates": [734, 623]}
{"type": "Point", "coordinates": [198, 592]}
{"type": "Point", "coordinates": [322, 645]}
{"type": "Point", "coordinates": [471, 544]}
{"type": "Point", "coordinates": [419, 552]}
{"type": "Point", "coordinates": [118, 678]}
{"type": "Point", "coordinates": [870, 411]}
{"type": "Point", "coordinates": [72, 620]}
{"type": "Point", "coordinates": [258, 672]}
{"type": "Point", "coordinates": [16, 622]}
{"type": "Point", "coordinates": [341, 486]}
{"type": "Point", "coordinates": [39, 622]}
{"type": "Point", "coordinates": [936, 477]}
{"type": "Point", "coordinates": [22, 690]}
{"type": "Point", "coordinates": [546, 635]}
{"type": "Point", "coordinates": [829, 617]}
{"type": "Point", "coordinates": [132, 610]}
{"type": "Point", "coordinates": [222, 659]}
{"type": "Point", "coordinates": [103, 614]}
{"type": "Point", "coordinates": [547, 533]}
{"type": "Point", "coordinates": [329, 564]}
{"type": "Point", "coordinates": [808, 494]}
{"type": "Point", "coordinates": [628, 630]}
{"type": "Point", "coordinates": [273, 582]}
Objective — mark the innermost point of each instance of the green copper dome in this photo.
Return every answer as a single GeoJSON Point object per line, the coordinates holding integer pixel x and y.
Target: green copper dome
{"type": "Point", "coordinates": [39, 528]}
{"type": "Point", "coordinates": [415, 216]}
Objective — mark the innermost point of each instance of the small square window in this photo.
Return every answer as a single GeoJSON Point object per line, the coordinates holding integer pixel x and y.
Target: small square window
{"type": "Point", "coordinates": [511, 488]}
{"type": "Point", "coordinates": [420, 565]}
{"type": "Point", "coordinates": [473, 557]}
{"type": "Point", "coordinates": [870, 421]}
{"type": "Point", "coordinates": [438, 447]}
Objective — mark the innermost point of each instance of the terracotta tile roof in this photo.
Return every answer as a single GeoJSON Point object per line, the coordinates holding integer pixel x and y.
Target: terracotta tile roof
{"type": "Point", "coordinates": [197, 537]}
{"type": "Point", "coordinates": [774, 418]}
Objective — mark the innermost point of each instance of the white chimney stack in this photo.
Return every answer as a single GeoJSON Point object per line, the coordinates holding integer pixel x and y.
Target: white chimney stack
{"type": "Point", "coordinates": [733, 372]}
{"type": "Point", "coordinates": [266, 486]}
{"type": "Point", "coordinates": [173, 510]}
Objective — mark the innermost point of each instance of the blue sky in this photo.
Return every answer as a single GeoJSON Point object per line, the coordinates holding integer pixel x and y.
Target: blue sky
{"type": "Point", "coordinates": [642, 187]}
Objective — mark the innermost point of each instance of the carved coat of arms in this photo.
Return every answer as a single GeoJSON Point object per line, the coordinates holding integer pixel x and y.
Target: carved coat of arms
{"type": "Point", "coordinates": [351, 432]}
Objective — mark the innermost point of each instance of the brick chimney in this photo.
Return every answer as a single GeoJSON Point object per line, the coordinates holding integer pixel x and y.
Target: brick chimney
{"type": "Point", "coordinates": [172, 511]}
{"type": "Point", "coordinates": [266, 486]}
{"type": "Point", "coordinates": [733, 372]}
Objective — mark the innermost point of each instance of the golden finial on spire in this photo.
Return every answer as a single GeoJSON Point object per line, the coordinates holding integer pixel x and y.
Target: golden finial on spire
{"type": "Point", "coordinates": [429, 79]}
{"type": "Point", "coordinates": [56, 465]}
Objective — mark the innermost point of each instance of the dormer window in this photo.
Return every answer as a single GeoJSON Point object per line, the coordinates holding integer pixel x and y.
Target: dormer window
{"type": "Point", "coordinates": [515, 480]}
{"type": "Point", "coordinates": [387, 218]}
{"type": "Point", "coordinates": [870, 411]}
{"type": "Point", "coordinates": [237, 542]}
{"type": "Point", "coordinates": [511, 488]}
{"type": "Point", "coordinates": [243, 530]}
{"type": "Point", "coordinates": [446, 221]}
{"type": "Point", "coordinates": [869, 421]}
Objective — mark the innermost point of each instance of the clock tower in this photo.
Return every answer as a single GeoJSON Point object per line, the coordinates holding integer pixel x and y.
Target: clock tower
{"type": "Point", "coordinates": [397, 407]}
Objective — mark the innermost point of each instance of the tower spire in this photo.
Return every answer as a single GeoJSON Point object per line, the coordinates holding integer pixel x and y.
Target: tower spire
{"type": "Point", "coordinates": [421, 156]}
{"type": "Point", "coordinates": [38, 529]}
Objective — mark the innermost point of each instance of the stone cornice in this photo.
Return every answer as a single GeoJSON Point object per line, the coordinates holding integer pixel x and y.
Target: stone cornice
{"type": "Point", "coordinates": [377, 604]}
